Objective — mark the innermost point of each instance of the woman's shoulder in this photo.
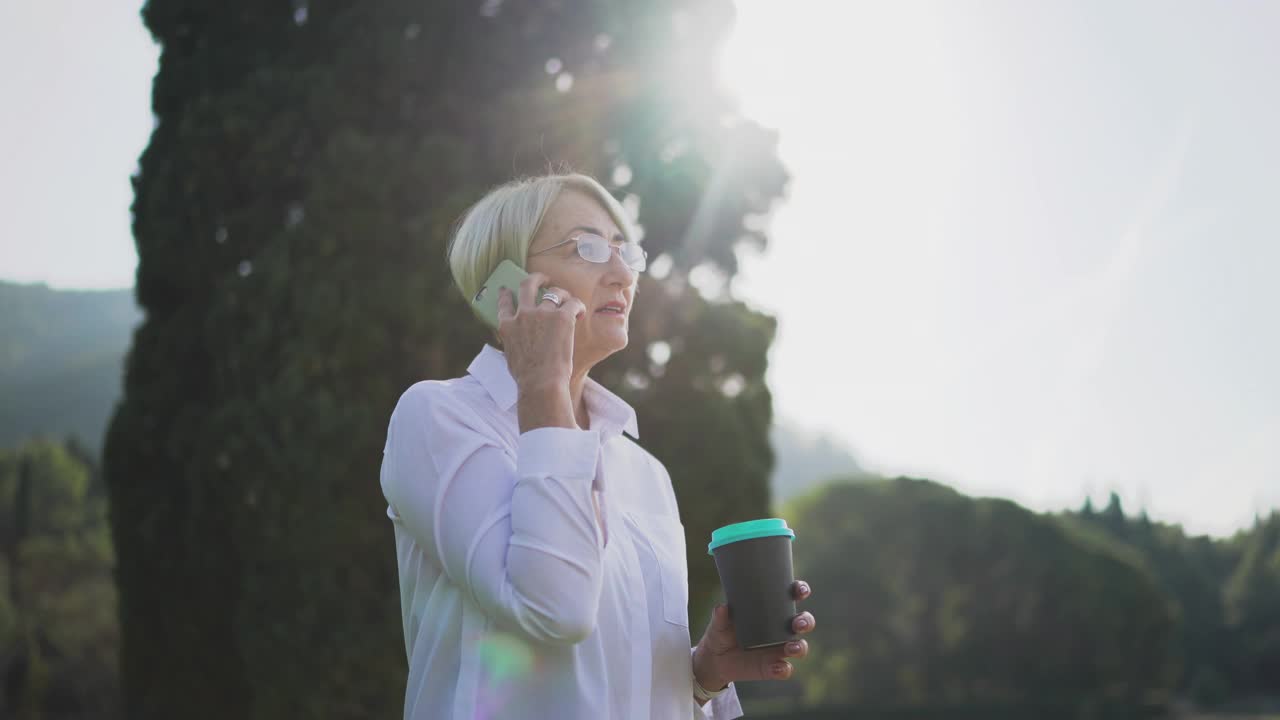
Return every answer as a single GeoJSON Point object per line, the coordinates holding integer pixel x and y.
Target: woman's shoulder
{"type": "Point", "coordinates": [442, 397]}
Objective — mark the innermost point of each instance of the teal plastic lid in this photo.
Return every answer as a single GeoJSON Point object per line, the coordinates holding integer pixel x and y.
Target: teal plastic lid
{"type": "Point", "coordinates": [749, 530]}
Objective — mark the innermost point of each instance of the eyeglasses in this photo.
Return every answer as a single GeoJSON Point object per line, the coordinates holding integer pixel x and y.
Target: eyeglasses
{"type": "Point", "coordinates": [596, 249]}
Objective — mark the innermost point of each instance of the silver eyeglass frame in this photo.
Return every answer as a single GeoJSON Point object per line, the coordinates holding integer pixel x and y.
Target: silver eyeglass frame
{"type": "Point", "coordinates": [644, 254]}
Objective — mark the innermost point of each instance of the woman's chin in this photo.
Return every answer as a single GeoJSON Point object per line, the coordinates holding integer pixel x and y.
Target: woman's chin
{"type": "Point", "coordinates": [616, 341]}
{"type": "Point", "coordinates": [609, 340]}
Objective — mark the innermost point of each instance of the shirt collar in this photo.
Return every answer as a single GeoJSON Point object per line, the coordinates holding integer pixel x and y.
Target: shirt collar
{"type": "Point", "coordinates": [610, 414]}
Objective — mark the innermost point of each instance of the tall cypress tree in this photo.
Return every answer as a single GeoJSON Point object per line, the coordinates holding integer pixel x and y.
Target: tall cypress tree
{"type": "Point", "coordinates": [290, 215]}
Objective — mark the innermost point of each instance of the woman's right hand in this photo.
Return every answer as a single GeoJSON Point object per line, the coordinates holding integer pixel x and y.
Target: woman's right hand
{"type": "Point", "coordinates": [537, 338]}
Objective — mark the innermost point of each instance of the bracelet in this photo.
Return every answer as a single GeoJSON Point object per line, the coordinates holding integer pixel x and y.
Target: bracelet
{"type": "Point", "coordinates": [700, 693]}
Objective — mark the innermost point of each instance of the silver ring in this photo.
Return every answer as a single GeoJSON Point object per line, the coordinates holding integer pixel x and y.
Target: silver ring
{"type": "Point", "coordinates": [552, 297]}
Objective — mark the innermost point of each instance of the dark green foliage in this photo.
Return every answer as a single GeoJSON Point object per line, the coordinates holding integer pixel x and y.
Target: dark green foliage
{"type": "Point", "coordinates": [291, 215]}
{"type": "Point", "coordinates": [928, 597]}
{"type": "Point", "coordinates": [1227, 593]}
{"type": "Point", "coordinates": [1252, 599]}
{"type": "Point", "coordinates": [58, 632]}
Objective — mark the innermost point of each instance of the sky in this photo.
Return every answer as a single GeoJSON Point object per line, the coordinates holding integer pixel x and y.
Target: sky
{"type": "Point", "coordinates": [77, 83]}
{"type": "Point", "coordinates": [1048, 236]}
{"type": "Point", "coordinates": [1027, 249]}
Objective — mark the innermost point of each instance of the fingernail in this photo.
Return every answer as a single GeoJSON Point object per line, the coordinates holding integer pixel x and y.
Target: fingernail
{"type": "Point", "coordinates": [793, 648]}
{"type": "Point", "coordinates": [802, 623]}
{"type": "Point", "coordinates": [804, 588]}
{"type": "Point", "coordinates": [779, 668]}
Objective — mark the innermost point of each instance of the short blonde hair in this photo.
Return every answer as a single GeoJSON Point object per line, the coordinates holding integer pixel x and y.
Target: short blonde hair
{"type": "Point", "coordinates": [502, 224]}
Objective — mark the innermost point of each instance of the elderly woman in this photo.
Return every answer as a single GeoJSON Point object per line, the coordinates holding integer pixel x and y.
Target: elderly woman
{"type": "Point", "coordinates": [541, 554]}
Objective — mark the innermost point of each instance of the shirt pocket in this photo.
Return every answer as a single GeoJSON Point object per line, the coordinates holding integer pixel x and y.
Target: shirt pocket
{"type": "Point", "coordinates": [663, 535]}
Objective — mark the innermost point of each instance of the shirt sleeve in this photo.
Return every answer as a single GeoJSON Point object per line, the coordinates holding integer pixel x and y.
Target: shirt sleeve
{"type": "Point", "coordinates": [518, 534]}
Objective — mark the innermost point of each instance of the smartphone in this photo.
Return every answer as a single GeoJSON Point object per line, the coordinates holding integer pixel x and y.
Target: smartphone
{"type": "Point", "coordinates": [485, 303]}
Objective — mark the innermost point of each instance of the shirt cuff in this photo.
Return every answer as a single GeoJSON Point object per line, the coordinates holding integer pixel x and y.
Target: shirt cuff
{"type": "Point", "coordinates": [558, 452]}
{"type": "Point", "coordinates": [722, 707]}
{"type": "Point", "coordinates": [570, 455]}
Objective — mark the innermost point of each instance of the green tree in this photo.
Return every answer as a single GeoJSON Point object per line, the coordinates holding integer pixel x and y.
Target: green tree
{"type": "Point", "coordinates": [1193, 571]}
{"type": "Point", "coordinates": [291, 214]}
{"type": "Point", "coordinates": [1113, 518]}
{"type": "Point", "coordinates": [58, 632]}
{"type": "Point", "coordinates": [932, 598]}
{"type": "Point", "coordinates": [1252, 597]}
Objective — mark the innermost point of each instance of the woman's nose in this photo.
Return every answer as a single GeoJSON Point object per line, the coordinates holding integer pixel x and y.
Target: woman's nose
{"type": "Point", "coordinates": [618, 266]}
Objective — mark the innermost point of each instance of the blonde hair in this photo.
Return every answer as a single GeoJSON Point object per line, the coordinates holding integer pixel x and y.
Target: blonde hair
{"type": "Point", "coordinates": [502, 224]}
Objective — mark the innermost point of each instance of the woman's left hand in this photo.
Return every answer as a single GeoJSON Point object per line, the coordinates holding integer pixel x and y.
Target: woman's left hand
{"type": "Point", "coordinates": [718, 661]}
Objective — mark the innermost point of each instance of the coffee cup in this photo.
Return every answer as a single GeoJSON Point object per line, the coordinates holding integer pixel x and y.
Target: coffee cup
{"type": "Point", "coordinates": [754, 562]}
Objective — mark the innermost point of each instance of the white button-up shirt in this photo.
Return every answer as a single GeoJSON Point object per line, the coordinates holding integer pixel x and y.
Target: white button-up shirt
{"type": "Point", "coordinates": [542, 575]}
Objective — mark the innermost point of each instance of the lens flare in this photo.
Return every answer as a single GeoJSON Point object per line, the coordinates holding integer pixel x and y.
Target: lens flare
{"type": "Point", "coordinates": [504, 659]}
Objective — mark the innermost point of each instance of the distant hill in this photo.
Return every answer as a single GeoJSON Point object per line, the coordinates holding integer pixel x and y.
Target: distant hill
{"type": "Point", "coordinates": [807, 460]}
{"type": "Point", "coordinates": [61, 373]}
{"type": "Point", "coordinates": [62, 360]}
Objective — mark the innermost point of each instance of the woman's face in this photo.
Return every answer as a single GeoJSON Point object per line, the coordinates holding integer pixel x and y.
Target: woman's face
{"type": "Point", "coordinates": [598, 334]}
